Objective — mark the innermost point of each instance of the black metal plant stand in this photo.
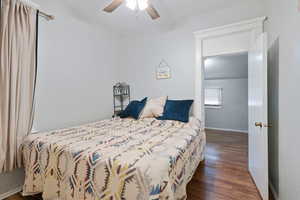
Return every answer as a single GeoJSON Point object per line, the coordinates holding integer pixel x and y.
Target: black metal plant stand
{"type": "Point", "coordinates": [121, 95]}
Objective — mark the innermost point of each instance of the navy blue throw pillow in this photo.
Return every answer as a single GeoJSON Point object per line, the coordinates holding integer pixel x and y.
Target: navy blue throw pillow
{"type": "Point", "coordinates": [134, 109]}
{"type": "Point", "coordinates": [178, 110]}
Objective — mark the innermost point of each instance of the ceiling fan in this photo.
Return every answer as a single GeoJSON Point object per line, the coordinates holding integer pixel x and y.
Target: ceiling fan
{"type": "Point", "coordinates": [134, 5]}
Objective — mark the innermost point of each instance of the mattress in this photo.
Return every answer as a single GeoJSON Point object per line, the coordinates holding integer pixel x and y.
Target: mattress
{"type": "Point", "coordinates": [114, 159]}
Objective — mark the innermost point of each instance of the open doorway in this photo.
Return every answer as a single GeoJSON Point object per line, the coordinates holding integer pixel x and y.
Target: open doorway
{"type": "Point", "coordinates": [247, 36]}
{"type": "Point", "coordinates": [226, 92]}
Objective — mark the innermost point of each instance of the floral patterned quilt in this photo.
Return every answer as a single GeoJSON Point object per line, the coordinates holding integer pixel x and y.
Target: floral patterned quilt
{"type": "Point", "coordinates": [114, 159]}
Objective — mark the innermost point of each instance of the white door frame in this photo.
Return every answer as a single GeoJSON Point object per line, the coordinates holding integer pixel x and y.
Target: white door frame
{"type": "Point", "coordinates": [228, 39]}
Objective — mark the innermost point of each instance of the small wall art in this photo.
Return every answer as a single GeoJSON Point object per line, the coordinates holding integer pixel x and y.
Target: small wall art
{"type": "Point", "coordinates": [163, 70]}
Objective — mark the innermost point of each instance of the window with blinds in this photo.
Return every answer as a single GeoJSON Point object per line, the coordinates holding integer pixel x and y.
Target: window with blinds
{"type": "Point", "coordinates": [213, 97]}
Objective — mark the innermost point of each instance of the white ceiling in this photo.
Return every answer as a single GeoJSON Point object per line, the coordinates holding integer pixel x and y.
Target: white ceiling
{"type": "Point", "coordinates": [125, 21]}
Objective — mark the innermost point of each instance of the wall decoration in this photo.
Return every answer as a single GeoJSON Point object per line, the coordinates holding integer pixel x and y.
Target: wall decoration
{"type": "Point", "coordinates": [163, 70]}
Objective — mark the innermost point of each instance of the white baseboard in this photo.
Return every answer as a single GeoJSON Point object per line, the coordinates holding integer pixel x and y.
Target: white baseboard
{"type": "Point", "coordinates": [224, 129]}
{"type": "Point", "coordinates": [273, 191]}
{"type": "Point", "coordinates": [11, 192]}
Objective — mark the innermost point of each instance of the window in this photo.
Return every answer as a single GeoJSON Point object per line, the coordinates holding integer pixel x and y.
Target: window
{"type": "Point", "coordinates": [213, 97]}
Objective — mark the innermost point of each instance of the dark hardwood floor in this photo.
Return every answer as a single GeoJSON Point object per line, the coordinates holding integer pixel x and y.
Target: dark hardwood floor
{"type": "Point", "coordinates": [222, 176]}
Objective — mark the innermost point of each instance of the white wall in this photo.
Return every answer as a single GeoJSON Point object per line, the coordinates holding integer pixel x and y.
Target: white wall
{"type": "Point", "coordinates": [284, 31]}
{"type": "Point", "coordinates": [141, 54]}
{"type": "Point", "coordinates": [76, 72]}
{"type": "Point", "coordinates": [229, 72]}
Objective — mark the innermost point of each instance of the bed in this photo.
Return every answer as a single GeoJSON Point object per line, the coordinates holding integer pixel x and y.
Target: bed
{"type": "Point", "coordinates": [114, 159]}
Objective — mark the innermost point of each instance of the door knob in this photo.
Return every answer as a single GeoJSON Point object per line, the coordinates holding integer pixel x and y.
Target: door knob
{"type": "Point", "coordinates": [259, 124]}
{"type": "Point", "coordinates": [268, 125]}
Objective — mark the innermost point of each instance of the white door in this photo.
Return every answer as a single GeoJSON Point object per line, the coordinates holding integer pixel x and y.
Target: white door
{"type": "Point", "coordinates": [258, 117]}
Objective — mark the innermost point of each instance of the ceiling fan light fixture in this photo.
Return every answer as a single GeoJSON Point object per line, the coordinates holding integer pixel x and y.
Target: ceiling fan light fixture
{"type": "Point", "coordinates": [137, 4]}
{"type": "Point", "coordinates": [143, 4]}
{"type": "Point", "coordinates": [132, 4]}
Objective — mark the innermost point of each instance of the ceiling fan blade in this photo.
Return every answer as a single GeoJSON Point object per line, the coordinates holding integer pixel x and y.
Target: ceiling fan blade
{"type": "Point", "coordinates": [113, 6]}
{"type": "Point", "coordinates": [152, 12]}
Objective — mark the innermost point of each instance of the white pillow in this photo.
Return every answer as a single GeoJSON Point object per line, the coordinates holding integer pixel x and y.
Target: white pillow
{"type": "Point", "coordinates": [154, 107]}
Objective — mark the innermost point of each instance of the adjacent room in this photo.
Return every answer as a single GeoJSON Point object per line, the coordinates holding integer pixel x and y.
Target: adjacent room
{"type": "Point", "coordinates": [149, 100]}
{"type": "Point", "coordinates": [226, 93]}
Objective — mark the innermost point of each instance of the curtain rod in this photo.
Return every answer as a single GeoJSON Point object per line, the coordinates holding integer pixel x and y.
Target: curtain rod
{"type": "Point", "coordinates": [46, 16]}
{"type": "Point", "coordinates": [36, 6]}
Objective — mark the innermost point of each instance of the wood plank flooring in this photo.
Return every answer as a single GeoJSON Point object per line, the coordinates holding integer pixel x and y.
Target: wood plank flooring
{"type": "Point", "coordinates": [222, 176]}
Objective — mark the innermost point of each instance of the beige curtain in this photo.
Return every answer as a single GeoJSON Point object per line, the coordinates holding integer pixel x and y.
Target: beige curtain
{"type": "Point", "coordinates": [17, 79]}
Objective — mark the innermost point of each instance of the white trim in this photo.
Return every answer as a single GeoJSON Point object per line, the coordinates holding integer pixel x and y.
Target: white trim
{"type": "Point", "coordinates": [11, 192]}
{"type": "Point", "coordinates": [234, 53]}
{"type": "Point", "coordinates": [273, 191]}
{"type": "Point", "coordinates": [243, 26]}
{"type": "Point", "coordinates": [229, 130]}
{"type": "Point", "coordinates": [225, 53]}
{"type": "Point", "coordinates": [213, 107]}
